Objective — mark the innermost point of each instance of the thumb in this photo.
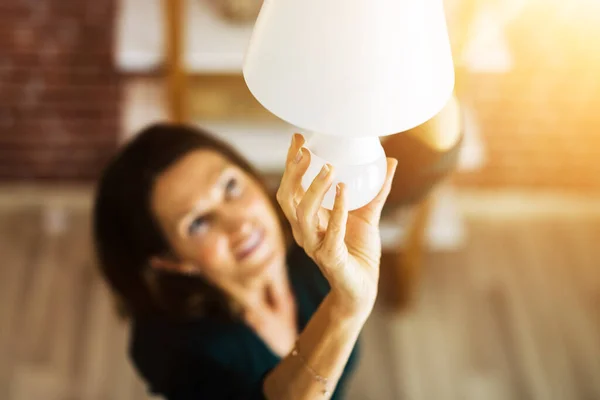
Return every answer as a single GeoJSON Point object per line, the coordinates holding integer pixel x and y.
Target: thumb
{"type": "Point", "coordinates": [372, 211]}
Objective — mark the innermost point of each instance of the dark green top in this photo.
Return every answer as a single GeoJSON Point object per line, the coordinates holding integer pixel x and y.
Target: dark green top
{"type": "Point", "coordinates": [212, 359]}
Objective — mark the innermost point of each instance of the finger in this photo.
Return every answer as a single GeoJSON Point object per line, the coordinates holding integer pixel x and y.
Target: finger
{"type": "Point", "coordinates": [307, 210]}
{"type": "Point", "coordinates": [297, 143]}
{"type": "Point", "coordinates": [298, 160]}
{"type": "Point", "coordinates": [375, 206]}
{"type": "Point", "coordinates": [392, 163]}
{"type": "Point", "coordinates": [333, 250]}
{"type": "Point", "coordinates": [290, 188]}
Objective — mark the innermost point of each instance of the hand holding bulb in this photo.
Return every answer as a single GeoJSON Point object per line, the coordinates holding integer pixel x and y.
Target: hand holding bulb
{"type": "Point", "coordinates": [346, 245]}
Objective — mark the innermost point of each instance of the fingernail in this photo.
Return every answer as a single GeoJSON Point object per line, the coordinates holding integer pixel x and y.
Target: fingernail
{"type": "Point", "coordinates": [324, 171]}
{"type": "Point", "coordinates": [298, 156]}
{"type": "Point", "coordinates": [338, 189]}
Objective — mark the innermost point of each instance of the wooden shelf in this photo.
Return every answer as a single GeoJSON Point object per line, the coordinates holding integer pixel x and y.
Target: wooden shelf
{"type": "Point", "coordinates": [212, 44]}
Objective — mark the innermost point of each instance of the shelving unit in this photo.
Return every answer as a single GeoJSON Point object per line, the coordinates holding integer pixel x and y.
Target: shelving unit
{"type": "Point", "coordinates": [214, 46]}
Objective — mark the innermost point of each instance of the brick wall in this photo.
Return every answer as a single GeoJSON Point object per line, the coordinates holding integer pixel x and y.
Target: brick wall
{"type": "Point", "coordinates": [541, 121]}
{"type": "Point", "coordinates": [59, 95]}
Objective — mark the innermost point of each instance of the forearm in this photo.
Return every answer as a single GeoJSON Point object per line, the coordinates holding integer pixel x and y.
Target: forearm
{"type": "Point", "coordinates": [325, 345]}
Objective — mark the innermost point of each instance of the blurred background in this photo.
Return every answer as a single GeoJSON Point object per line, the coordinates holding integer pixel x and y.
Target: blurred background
{"type": "Point", "coordinates": [490, 286]}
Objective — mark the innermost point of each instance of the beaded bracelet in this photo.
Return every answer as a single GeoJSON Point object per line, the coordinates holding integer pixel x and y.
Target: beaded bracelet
{"type": "Point", "coordinates": [324, 381]}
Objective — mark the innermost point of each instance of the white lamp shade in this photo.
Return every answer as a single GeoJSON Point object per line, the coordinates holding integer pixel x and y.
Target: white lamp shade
{"type": "Point", "coordinates": [351, 67]}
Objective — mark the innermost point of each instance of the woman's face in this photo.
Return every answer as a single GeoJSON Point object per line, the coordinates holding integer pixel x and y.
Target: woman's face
{"type": "Point", "coordinates": [218, 220]}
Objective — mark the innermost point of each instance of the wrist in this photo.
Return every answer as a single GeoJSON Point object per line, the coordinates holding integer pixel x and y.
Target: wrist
{"type": "Point", "coordinates": [343, 307]}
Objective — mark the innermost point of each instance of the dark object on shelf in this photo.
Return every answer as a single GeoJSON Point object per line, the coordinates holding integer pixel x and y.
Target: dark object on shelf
{"type": "Point", "coordinates": [238, 11]}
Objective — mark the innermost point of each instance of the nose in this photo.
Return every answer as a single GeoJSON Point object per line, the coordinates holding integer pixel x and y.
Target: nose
{"type": "Point", "coordinates": [237, 223]}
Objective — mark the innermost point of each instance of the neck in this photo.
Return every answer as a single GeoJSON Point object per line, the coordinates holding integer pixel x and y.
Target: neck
{"type": "Point", "coordinates": [270, 291]}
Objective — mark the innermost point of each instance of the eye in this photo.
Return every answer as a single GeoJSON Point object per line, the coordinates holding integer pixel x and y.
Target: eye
{"type": "Point", "coordinates": [199, 225]}
{"type": "Point", "coordinates": [233, 187]}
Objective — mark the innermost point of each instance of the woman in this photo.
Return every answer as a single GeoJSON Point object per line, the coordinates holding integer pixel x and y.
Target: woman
{"type": "Point", "coordinates": [231, 295]}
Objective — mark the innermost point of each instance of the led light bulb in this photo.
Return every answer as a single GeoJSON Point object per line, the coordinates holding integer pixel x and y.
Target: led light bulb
{"type": "Point", "coordinates": [359, 162]}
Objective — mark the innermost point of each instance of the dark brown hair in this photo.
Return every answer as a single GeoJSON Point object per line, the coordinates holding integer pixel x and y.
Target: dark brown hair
{"type": "Point", "coordinates": [126, 233]}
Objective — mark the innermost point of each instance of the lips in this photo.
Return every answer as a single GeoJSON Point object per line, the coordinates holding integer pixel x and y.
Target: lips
{"type": "Point", "coordinates": [250, 244]}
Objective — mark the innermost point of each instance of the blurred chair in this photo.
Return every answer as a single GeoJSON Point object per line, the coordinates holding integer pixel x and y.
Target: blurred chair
{"type": "Point", "coordinates": [427, 155]}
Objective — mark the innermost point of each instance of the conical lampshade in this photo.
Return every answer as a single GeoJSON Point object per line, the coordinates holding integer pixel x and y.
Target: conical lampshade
{"type": "Point", "coordinates": [351, 69]}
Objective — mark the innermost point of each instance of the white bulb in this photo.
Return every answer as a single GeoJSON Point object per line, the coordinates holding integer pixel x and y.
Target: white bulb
{"type": "Point", "coordinates": [359, 163]}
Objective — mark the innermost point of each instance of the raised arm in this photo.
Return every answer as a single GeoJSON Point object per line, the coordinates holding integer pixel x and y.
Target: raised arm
{"type": "Point", "coordinates": [347, 248]}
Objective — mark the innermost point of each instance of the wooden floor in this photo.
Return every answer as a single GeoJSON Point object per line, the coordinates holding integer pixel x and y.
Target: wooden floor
{"type": "Point", "coordinates": [515, 315]}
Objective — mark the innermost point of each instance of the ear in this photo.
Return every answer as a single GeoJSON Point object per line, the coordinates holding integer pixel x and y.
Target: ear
{"type": "Point", "coordinates": [169, 265]}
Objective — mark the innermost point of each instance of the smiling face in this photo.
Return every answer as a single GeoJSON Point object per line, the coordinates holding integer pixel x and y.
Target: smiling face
{"type": "Point", "coordinates": [218, 220]}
